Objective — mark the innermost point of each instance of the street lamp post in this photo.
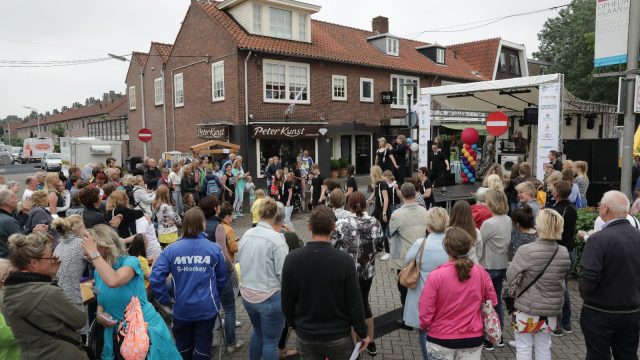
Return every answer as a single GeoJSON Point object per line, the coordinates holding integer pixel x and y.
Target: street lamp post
{"type": "Point", "coordinates": [409, 91]}
{"type": "Point", "coordinates": [144, 114]}
{"type": "Point", "coordinates": [37, 116]}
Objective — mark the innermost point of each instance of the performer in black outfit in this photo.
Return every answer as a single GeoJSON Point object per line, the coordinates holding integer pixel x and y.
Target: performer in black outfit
{"type": "Point", "coordinates": [400, 149]}
{"type": "Point", "coordinates": [438, 165]}
{"type": "Point", "coordinates": [384, 156]}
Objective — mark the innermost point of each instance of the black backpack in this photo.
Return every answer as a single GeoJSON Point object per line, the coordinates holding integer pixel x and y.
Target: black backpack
{"type": "Point", "coordinates": [130, 190]}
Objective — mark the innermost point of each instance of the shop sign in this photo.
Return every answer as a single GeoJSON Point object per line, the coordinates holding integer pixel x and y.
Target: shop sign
{"type": "Point", "coordinates": [212, 132]}
{"type": "Point", "coordinates": [280, 131]}
{"type": "Point", "coordinates": [387, 97]}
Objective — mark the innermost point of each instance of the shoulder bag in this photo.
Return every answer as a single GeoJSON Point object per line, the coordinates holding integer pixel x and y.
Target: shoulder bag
{"type": "Point", "coordinates": [76, 343]}
{"type": "Point", "coordinates": [511, 293]}
{"type": "Point", "coordinates": [409, 276]}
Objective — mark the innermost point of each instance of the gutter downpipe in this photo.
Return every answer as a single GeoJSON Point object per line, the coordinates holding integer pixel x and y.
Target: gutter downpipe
{"type": "Point", "coordinates": [144, 115]}
{"type": "Point", "coordinates": [173, 91]}
{"type": "Point", "coordinates": [164, 111]}
{"type": "Point", "coordinates": [246, 112]}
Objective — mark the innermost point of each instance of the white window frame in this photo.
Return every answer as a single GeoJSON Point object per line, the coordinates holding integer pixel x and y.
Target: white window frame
{"type": "Point", "coordinates": [334, 80]}
{"type": "Point", "coordinates": [401, 91]}
{"type": "Point", "coordinates": [362, 98]}
{"type": "Point", "coordinates": [178, 90]}
{"type": "Point", "coordinates": [257, 19]}
{"type": "Point", "coordinates": [440, 53]}
{"type": "Point", "coordinates": [302, 27]}
{"type": "Point", "coordinates": [286, 64]}
{"type": "Point", "coordinates": [393, 46]}
{"type": "Point", "coordinates": [283, 26]}
{"type": "Point", "coordinates": [132, 97]}
{"type": "Point", "coordinates": [158, 91]}
{"type": "Point", "coordinates": [215, 95]}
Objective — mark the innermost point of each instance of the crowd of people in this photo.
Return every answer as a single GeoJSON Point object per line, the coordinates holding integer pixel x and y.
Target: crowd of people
{"type": "Point", "coordinates": [162, 242]}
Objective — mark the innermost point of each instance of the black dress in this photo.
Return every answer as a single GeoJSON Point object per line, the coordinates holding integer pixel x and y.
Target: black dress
{"type": "Point", "coordinates": [400, 155]}
{"type": "Point", "coordinates": [383, 159]}
{"type": "Point", "coordinates": [283, 192]}
{"type": "Point", "coordinates": [438, 167]}
{"type": "Point", "coordinates": [230, 183]}
{"type": "Point", "coordinates": [426, 185]}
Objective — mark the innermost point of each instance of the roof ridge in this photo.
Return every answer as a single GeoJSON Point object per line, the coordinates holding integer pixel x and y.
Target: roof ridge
{"type": "Point", "coordinates": [475, 41]}
{"type": "Point", "coordinates": [159, 43]}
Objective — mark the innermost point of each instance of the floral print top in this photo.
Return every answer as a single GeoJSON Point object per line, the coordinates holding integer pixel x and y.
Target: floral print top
{"type": "Point", "coordinates": [358, 236]}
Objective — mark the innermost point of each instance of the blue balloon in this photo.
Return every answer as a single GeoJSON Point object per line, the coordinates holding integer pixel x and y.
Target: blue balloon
{"type": "Point", "coordinates": [472, 180]}
{"type": "Point", "coordinates": [474, 146]}
{"type": "Point", "coordinates": [466, 171]}
{"type": "Point", "coordinates": [409, 141]}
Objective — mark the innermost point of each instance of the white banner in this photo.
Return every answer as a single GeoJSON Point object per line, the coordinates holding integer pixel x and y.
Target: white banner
{"type": "Point", "coordinates": [548, 124]}
{"type": "Point", "coordinates": [424, 123]}
{"type": "Point", "coordinates": [612, 22]}
{"type": "Point", "coordinates": [636, 96]}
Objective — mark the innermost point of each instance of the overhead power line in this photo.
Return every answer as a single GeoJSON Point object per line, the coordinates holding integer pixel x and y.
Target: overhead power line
{"type": "Point", "coordinates": [48, 63]}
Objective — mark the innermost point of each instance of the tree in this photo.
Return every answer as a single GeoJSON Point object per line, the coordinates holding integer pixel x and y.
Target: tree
{"type": "Point", "coordinates": [567, 42]}
{"type": "Point", "coordinates": [58, 131]}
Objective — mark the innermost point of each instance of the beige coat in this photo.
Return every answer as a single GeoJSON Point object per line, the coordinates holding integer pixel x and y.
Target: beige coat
{"type": "Point", "coordinates": [546, 296]}
{"type": "Point", "coordinates": [406, 225]}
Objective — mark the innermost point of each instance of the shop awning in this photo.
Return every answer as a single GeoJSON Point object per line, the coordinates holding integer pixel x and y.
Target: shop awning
{"type": "Point", "coordinates": [482, 129]}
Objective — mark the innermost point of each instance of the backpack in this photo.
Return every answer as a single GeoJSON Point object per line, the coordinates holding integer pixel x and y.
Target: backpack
{"type": "Point", "coordinates": [213, 185]}
{"type": "Point", "coordinates": [132, 334]}
{"type": "Point", "coordinates": [130, 190]}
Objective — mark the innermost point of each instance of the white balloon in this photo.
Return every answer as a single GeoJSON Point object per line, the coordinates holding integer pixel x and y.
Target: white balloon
{"type": "Point", "coordinates": [414, 146]}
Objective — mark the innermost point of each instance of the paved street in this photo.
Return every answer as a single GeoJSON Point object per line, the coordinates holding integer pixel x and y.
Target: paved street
{"type": "Point", "coordinates": [401, 344]}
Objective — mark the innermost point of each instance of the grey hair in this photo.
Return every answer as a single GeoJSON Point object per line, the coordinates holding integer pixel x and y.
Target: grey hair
{"type": "Point", "coordinates": [408, 190]}
{"type": "Point", "coordinates": [5, 195]}
{"type": "Point", "coordinates": [12, 183]}
{"type": "Point", "coordinates": [279, 218]}
{"type": "Point", "coordinates": [480, 194]}
{"type": "Point", "coordinates": [617, 202]}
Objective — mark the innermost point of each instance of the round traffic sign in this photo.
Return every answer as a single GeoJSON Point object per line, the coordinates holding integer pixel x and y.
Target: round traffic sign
{"type": "Point", "coordinates": [411, 119]}
{"type": "Point", "coordinates": [497, 123]}
{"type": "Point", "coordinates": [145, 135]}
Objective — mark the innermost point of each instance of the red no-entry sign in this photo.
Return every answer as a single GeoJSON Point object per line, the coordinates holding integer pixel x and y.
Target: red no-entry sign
{"type": "Point", "coordinates": [497, 123]}
{"type": "Point", "coordinates": [145, 135]}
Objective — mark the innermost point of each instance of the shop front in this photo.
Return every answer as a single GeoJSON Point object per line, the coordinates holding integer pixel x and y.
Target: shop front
{"type": "Point", "coordinates": [213, 131]}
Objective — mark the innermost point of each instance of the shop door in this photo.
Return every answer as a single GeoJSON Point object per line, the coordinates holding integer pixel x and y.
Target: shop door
{"type": "Point", "coordinates": [345, 148]}
{"type": "Point", "coordinates": [363, 154]}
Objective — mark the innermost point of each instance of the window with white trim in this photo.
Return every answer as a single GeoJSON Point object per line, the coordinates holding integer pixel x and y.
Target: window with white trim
{"type": "Point", "coordinates": [440, 56]}
{"type": "Point", "coordinates": [158, 88]}
{"type": "Point", "coordinates": [393, 46]}
{"type": "Point", "coordinates": [280, 23]}
{"type": "Point", "coordinates": [285, 82]}
{"type": "Point", "coordinates": [178, 90]}
{"type": "Point", "coordinates": [339, 87]}
{"type": "Point", "coordinates": [132, 97]}
{"type": "Point", "coordinates": [257, 19]}
{"type": "Point", "coordinates": [217, 81]}
{"type": "Point", "coordinates": [400, 97]}
{"type": "Point", "coordinates": [302, 27]}
{"type": "Point", "coordinates": [366, 90]}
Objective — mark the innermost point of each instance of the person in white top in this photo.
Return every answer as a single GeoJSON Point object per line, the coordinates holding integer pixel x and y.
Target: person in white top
{"type": "Point", "coordinates": [31, 185]}
{"type": "Point", "coordinates": [175, 176]}
{"type": "Point", "coordinates": [599, 223]}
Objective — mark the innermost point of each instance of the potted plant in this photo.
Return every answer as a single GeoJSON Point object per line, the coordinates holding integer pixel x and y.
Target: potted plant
{"type": "Point", "coordinates": [335, 167]}
{"type": "Point", "coordinates": [342, 172]}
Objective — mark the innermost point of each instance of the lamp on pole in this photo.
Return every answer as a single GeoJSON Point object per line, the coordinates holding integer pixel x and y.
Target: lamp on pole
{"type": "Point", "coordinates": [144, 114]}
{"type": "Point", "coordinates": [411, 119]}
{"type": "Point", "coordinates": [37, 116]}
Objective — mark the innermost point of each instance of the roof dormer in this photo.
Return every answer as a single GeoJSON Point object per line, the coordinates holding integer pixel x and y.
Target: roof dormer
{"type": "Point", "coordinates": [436, 53]}
{"type": "Point", "coordinates": [284, 19]}
{"type": "Point", "coordinates": [385, 42]}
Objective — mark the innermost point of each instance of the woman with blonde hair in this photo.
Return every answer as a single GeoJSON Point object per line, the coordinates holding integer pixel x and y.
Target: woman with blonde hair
{"type": "Point", "coordinates": [118, 204]}
{"type": "Point", "coordinates": [168, 220]}
{"type": "Point", "coordinates": [537, 308]}
{"type": "Point", "coordinates": [9, 348]}
{"type": "Point", "coordinates": [549, 181]}
{"type": "Point", "coordinates": [175, 177]}
{"type": "Point", "coordinates": [58, 199]}
{"type": "Point", "coordinates": [38, 213]}
{"type": "Point", "coordinates": [37, 311]}
{"type": "Point", "coordinates": [493, 181]}
{"type": "Point", "coordinates": [582, 180]}
{"type": "Point", "coordinates": [118, 278]}
{"type": "Point", "coordinates": [384, 156]}
{"type": "Point", "coordinates": [382, 209]}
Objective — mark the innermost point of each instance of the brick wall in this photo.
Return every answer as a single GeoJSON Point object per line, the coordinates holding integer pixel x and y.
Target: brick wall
{"type": "Point", "coordinates": [135, 116]}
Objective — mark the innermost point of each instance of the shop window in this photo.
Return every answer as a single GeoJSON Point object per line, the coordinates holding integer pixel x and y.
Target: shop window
{"type": "Point", "coordinates": [286, 82]}
{"type": "Point", "coordinates": [339, 86]}
{"type": "Point", "coordinates": [366, 90]}
{"type": "Point", "coordinates": [400, 98]}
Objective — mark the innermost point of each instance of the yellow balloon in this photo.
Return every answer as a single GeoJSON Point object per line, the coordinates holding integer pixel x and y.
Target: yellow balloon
{"type": "Point", "coordinates": [470, 158]}
{"type": "Point", "coordinates": [474, 163]}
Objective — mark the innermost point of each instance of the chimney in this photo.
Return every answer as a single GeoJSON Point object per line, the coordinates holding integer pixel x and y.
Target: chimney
{"type": "Point", "coordinates": [380, 25]}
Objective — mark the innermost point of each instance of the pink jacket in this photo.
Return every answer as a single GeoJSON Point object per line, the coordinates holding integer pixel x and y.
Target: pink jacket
{"type": "Point", "coordinates": [450, 309]}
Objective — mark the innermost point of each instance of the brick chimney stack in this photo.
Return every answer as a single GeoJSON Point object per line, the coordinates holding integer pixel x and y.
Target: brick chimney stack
{"type": "Point", "coordinates": [380, 25]}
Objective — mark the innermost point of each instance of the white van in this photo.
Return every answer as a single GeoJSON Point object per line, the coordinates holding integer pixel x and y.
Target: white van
{"type": "Point", "coordinates": [34, 149]}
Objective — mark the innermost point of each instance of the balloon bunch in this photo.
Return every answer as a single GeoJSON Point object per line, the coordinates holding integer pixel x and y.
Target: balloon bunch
{"type": "Point", "coordinates": [469, 156]}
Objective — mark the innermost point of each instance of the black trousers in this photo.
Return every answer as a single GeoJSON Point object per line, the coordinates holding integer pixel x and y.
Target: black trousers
{"type": "Point", "coordinates": [403, 291]}
{"type": "Point", "coordinates": [606, 333]}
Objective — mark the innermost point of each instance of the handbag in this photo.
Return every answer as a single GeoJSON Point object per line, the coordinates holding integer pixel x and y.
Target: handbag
{"type": "Point", "coordinates": [131, 339]}
{"type": "Point", "coordinates": [491, 323]}
{"type": "Point", "coordinates": [410, 274]}
{"type": "Point", "coordinates": [511, 294]}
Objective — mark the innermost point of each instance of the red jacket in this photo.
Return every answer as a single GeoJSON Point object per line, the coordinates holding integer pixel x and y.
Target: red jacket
{"type": "Point", "coordinates": [480, 213]}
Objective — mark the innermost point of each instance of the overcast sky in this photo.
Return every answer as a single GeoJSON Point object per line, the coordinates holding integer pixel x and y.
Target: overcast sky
{"type": "Point", "coordinates": [39, 30]}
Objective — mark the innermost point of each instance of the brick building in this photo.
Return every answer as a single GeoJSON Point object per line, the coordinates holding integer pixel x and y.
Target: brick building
{"type": "Point", "coordinates": [264, 75]}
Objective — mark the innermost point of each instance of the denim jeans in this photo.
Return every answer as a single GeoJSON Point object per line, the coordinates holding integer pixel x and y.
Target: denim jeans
{"type": "Point", "coordinates": [566, 308]}
{"type": "Point", "coordinates": [287, 215]}
{"type": "Point", "coordinates": [340, 349]}
{"type": "Point", "coordinates": [228, 300]}
{"type": "Point", "coordinates": [267, 319]}
{"type": "Point", "coordinates": [423, 344]}
{"type": "Point", "coordinates": [239, 200]}
{"type": "Point", "coordinates": [193, 338]}
{"type": "Point", "coordinates": [497, 277]}
{"type": "Point", "coordinates": [177, 198]}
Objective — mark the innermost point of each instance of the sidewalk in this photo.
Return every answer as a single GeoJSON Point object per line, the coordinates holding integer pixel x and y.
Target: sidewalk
{"type": "Point", "coordinates": [384, 298]}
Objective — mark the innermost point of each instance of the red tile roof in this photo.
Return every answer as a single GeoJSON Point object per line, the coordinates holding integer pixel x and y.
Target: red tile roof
{"type": "Point", "coordinates": [113, 109]}
{"type": "Point", "coordinates": [163, 49]}
{"type": "Point", "coordinates": [140, 58]}
{"type": "Point", "coordinates": [344, 44]}
{"type": "Point", "coordinates": [481, 55]}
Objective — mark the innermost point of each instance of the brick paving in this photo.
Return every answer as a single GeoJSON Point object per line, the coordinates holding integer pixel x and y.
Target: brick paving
{"type": "Point", "coordinates": [402, 344]}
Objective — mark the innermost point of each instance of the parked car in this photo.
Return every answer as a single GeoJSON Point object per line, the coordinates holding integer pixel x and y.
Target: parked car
{"type": "Point", "coordinates": [16, 153]}
{"type": "Point", "coordinates": [52, 161]}
{"type": "Point", "coordinates": [5, 158]}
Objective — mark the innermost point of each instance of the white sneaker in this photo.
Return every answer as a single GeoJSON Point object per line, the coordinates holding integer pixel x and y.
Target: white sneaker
{"type": "Point", "coordinates": [238, 323]}
{"type": "Point", "coordinates": [235, 347]}
{"type": "Point", "coordinates": [512, 343]}
{"type": "Point", "coordinates": [385, 257]}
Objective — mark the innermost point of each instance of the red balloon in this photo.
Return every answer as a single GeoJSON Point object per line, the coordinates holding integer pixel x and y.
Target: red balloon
{"type": "Point", "coordinates": [470, 136]}
{"type": "Point", "coordinates": [467, 146]}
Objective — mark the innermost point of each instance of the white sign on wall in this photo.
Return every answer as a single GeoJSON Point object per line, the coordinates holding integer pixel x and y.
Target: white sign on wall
{"type": "Point", "coordinates": [548, 124]}
{"type": "Point", "coordinates": [424, 134]}
{"type": "Point", "coordinates": [636, 96]}
{"type": "Point", "coordinates": [612, 22]}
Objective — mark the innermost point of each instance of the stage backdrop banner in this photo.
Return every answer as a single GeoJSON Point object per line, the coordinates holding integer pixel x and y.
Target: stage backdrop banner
{"type": "Point", "coordinates": [548, 124]}
{"type": "Point", "coordinates": [612, 31]}
{"type": "Point", "coordinates": [424, 134]}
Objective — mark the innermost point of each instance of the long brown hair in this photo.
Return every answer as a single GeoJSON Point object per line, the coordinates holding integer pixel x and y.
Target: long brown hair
{"type": "Point", "coordinates": [457, 244]}
{"type": "Point", "coordinates": [163, 196]}
{"type": "Point", "coordinates": [461, 217]}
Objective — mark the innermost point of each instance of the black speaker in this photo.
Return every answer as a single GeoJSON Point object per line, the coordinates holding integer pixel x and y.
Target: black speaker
{"type": "Point", "coordinates": [604, 160]}
{"type": "Point", "coordinates": [578, 149]}
{"type": "Point", "coordinates": [595, 192]}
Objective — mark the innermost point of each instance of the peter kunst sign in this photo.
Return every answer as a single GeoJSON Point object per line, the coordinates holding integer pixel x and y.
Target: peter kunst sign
{"type": "Point", "coordinates": [213, 132]}
{"type": "Point", "coordinates": [279, 131]}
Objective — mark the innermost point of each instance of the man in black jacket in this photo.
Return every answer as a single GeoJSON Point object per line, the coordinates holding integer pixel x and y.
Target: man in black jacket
{"type": "Point", "coordinates": [610, 284]}
{"type": "Point", "coordinates": [151, 175]}
{"type": "Point", "coordinates": [321, 296]}
{"type": "Point", "coordinates": [561, 191]}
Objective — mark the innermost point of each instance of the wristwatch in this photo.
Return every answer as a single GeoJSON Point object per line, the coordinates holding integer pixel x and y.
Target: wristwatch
{"type": "Point", "coordinates": [94, 255]}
